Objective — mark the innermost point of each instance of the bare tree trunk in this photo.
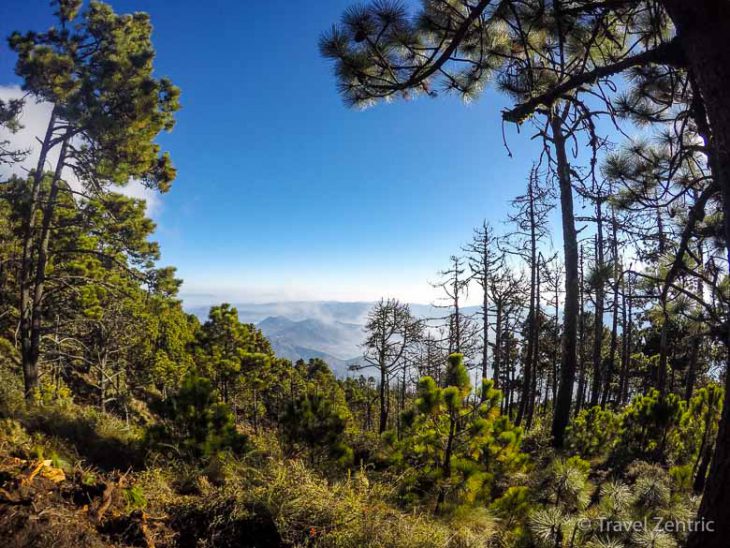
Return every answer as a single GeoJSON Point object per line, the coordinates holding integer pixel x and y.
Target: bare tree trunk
{"type": "Point", "coordinates": [556, 357]}
{"type": "Point", "coordinates": [581, 340]}
{"type": "Point", "coordinates": [529, 369]}
{"type": "Point", "coordinates": [485, 333]}
{"type": "Point", "coordinates": [498, 346]}
{"type": "Point", "coordinates": [570, 314]}
{"type": "Point", "coordinates": [535, 353]}
{"type": "Point", "coordinates": [600, 305]}
{"type": "Point", "coordinates": [383, 424]}
{"type": "Point", "coordinates": [614, 319]}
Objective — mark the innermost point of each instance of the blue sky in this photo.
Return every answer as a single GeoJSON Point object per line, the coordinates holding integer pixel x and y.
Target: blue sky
{"type": "Point", "coordinates": [282, 192]}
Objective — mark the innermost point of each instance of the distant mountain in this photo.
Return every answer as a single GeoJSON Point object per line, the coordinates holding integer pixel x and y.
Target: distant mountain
{"type": "Point", "coordinates": [330, 330]}
{"type": "Point", "coordinates": [338, 343]}
{"type": "Point", "coordinates": [326, 311]}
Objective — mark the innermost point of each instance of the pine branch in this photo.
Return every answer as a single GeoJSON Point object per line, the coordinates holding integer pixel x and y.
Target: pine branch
{"type": "Point", "coordinates": [669, 53]}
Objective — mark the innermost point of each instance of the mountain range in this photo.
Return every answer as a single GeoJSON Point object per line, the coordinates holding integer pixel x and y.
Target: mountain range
{"type": "Point", "coordinates": [330, 330]}
{"type": "Point", "coordinates": [337, 343]}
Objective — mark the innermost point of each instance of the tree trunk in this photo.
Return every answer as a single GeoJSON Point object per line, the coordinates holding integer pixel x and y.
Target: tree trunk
{"type": "Point", "coordinates": [530, 361]}
{"type": "Point", "coordinates": [598, 323]}
{"type": "Point", "coordinates": [613, 346]}
{"type": "Point", "coordinates": [660, 375]}
{"type": "Point", "coordinates": [383, 424]}
{"type": "Point", "coordinates": [31, 348]}
{"type": "Point", "coordinates": [535, 352]}
{"type": "Point", "coordinates": [446, 465]}
{"type": "Point", "coordinates": [485, 316]}
{"type": "Point", "coordinates": [28, 357]}
{"type": "Point", "coordinates": [705, 457]}
{"type": "Point", "coordinates": [692, 367]}
{"type": "Point", "coordinates": [715, 506]}
{"type": "Point", "coordinates": [696, 339]}
{"type": "Point", "coordinates": [498, 346]}
{"type": "Point", "coordinates": [570, 314]}
{"type": "Point", "coordinates": [703, 29]}
{"type": "Point", "coordinates": [556, 356]}
{"type": "Point", "coordinates": [581, 338]}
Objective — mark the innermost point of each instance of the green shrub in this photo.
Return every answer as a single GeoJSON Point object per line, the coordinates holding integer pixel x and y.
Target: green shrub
{"type": "Point", "coordinates": [194, 421]}
{"type": "Point", "coordinates": [646, 427]}
{"type": "Point", "coordinates": [593, 432]}
{"type": "Point", "coordinates": [314, 421]}
{"type": "Point", "coordinates": [455, 452]}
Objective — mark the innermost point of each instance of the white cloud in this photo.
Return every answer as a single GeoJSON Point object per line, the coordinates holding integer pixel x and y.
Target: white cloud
{"type": "Point", "coordinates": [135, 189]}
{"type": "Point", "coordinates": [34, 119]}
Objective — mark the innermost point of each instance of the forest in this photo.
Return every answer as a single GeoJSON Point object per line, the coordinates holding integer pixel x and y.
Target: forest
{"type": "Point", "coordinates": [581, 405]}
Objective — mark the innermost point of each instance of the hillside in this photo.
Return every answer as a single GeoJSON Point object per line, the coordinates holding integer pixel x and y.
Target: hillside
{"type": "Point", "coordinates": [336, 342]}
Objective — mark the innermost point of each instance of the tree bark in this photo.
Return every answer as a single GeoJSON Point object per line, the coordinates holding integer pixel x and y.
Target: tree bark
{"type": "Point", "coordinates": [695, 349]}
{"type": "Point", "coordinates": [703, 29]}
{"type": "Point", "coordinates": [383, 424]}
{"type": "Point", "coordinates": [31, 334]}
{"type": "Point", "coordinates": [529, 369]}
{"type": "Point", "coordinates": [29, 361]}
{"type": "Point", "coordinates": [715, 506]}
{"type": "Point", "coordinates": [535, 352]}
{"type": "Point", "coordinates": [598, 322]}
{"type": "Point", "coordinates": [613, 346]}
{"type": "Point", "coordinates": [580, 397]}
{"type": "Point", "coordinates": [570, 313]}
{"type": "Point", "coordinates": [498, 345]}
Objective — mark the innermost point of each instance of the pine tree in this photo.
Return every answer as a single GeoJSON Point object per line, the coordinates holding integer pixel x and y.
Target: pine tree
{"type": "Point", "coordinates": [452, 451]}
{"type": "Point", "coordinates": [104, 120]}
{"type": "Point", "coordinates": [196, 422]}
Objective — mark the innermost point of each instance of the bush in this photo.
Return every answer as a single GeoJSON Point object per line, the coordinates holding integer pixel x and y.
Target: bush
{"type": "Point", "coordinates": [289, 504]}
{"type": "Point", "coordinates": [314, 421]}
{"type": "Point", "coordinates": [194, 421]}
{"type": "Point", "coordinates": [593, 432]}
{"type": "Point", "coordinates": [646, 427]}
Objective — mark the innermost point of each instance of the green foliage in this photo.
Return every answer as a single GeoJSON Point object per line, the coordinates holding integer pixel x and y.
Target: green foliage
{"type": "Point", "coordinates": [574, 513]}
{"type": "Point", "coordinates": [314, 420]}
{"type": "Point", "coordinates": [568, 483]}
{"type": "Point", "coordinates": [99, 74]}
{"type": "Point", "coordinates": [11, 383]}
{"type": "Point", "coordinates": [228, 350]}
{"type": "Point", "coordinates": [652, 428]}
{"type": "Point", "coordinates": [287, 503]}
{"type": "Point", "coordinates": [196, 422]}
{"type": "Point", "coordinates": [593, 432]}
{"type": "Point", "coordinates": [513, 508]}
{"type": "Point", "coordinates": [113, 334]}
{"type": "Point", "coordinates": [646, 426]}
{"type": "Point", "coordinates": [458, 452]}
{"type": "Point", "coordinates": [698, 425]}
{"type": "Point", "coordinates": [682, 477]}
{"type": "Point", "coordinates": [134, 498]}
